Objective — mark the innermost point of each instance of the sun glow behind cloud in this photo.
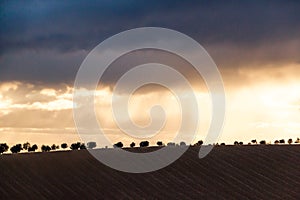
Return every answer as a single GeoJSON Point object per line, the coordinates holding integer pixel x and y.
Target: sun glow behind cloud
{"type": "Point", "coordinates": [263, 105]}
{"type": "Point", "coordinates": [262, 110]}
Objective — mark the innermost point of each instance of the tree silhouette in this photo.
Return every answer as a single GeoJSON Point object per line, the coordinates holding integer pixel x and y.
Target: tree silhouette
{"type": "Point", "coordinates": [26, 146]}
{"type": "Point", "coordinates": [64, 145]}
{"type": "Point", "coordinates": [254, 141]}
{"type": "Point", "coordinates": [236, 143]}
{"type": "Point", "coordinates": [144, 144]}
{"type": "Point", "coordinates": [45, 148]}
{"type": "Point", "coordinates": [54, 147]}
{"type": "Point", "coordinates": [159, 143]}
{"type": "Point", "coordinates": [3, 148]}
{"type": "Point", "coordinates": [171, 144]}
{"type": "Point", "coordinates": [82, 146]}
{"type": "Point", "coordinates": [182, 143]}
{"type": "Point", "coordinates": [75, 146]}
{"type": "Point", "coordinates": [222, 144]}
{"type": "Point", "coordinates": [16, 149]}
{"type": "Point", "coordinates": [276, 142]}
{"type": "Point", "coordinates": [297, 141]}
{"type": "Point", "coordinates": [33, 148]}
{"type": "Point", "coordinates": [91, 145]}
{"type": "Point", "coordinates": [290, 141]}
{"type": "Point", "coordinates": [132, 144]}
{"type": "Point", "coordinates": [281, 141]}
{"type": "Point", "coordinates": [199, 143]}
{"type": "Point", "coordinates": [118, 145]}
{"type": "Point", "coordinates": [262, 142]}
{"type": "Point", "coordinates": [241, 143]}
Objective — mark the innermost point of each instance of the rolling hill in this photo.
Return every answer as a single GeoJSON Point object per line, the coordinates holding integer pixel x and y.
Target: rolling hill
{"type": "Point", "coordinates": [228, 172]}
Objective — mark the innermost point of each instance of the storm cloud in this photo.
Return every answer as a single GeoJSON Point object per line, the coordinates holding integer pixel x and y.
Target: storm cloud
{"type": "Point", "coordinates": [46, 42]}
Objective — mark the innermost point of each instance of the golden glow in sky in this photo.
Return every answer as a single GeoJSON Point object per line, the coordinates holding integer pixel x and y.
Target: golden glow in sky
{"type": "Point", "coordinates": [266, 107]}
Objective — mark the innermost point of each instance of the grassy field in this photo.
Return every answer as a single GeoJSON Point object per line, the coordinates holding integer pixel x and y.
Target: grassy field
{"type": "Point", "coordinates": [228, 172]}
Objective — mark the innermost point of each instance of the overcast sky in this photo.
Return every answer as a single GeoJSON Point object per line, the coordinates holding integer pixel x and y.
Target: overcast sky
{"type": "Point", "coordinates": [255, 45]}
{"type": "Point", "coordinates": [47, 41]}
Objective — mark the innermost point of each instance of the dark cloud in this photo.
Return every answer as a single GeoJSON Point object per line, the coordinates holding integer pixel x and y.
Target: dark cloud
{"type": "Point", "coordinates": [139, 57]}
{"type": "Point", "coordinates": [47, 41]}
{"type": "Point", "coordinates": [41, 67]}
{"type": "Point", "coordinates": [82, 25]}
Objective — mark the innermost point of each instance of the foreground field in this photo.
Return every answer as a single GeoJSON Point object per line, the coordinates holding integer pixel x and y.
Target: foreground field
{"type": "Point", "coordinates": [230, 172]}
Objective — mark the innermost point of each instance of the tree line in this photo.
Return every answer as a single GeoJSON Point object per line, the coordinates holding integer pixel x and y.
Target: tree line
{"type": "Point", "coordinates": [90, 145]}
{"type": "Point", "coordinates": [44, 148]}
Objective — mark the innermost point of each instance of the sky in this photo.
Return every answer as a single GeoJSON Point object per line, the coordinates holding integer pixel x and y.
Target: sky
{"type": "Point", "coordinates": [255, 45]}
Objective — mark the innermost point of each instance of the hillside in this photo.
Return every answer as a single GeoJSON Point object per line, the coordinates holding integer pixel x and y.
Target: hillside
{"type": "Point", "coordinates": [230, 172]}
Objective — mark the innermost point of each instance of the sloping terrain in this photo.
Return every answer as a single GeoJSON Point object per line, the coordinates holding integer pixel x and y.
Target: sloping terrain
{"type": "Point", "coordinates": [228, 172]}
